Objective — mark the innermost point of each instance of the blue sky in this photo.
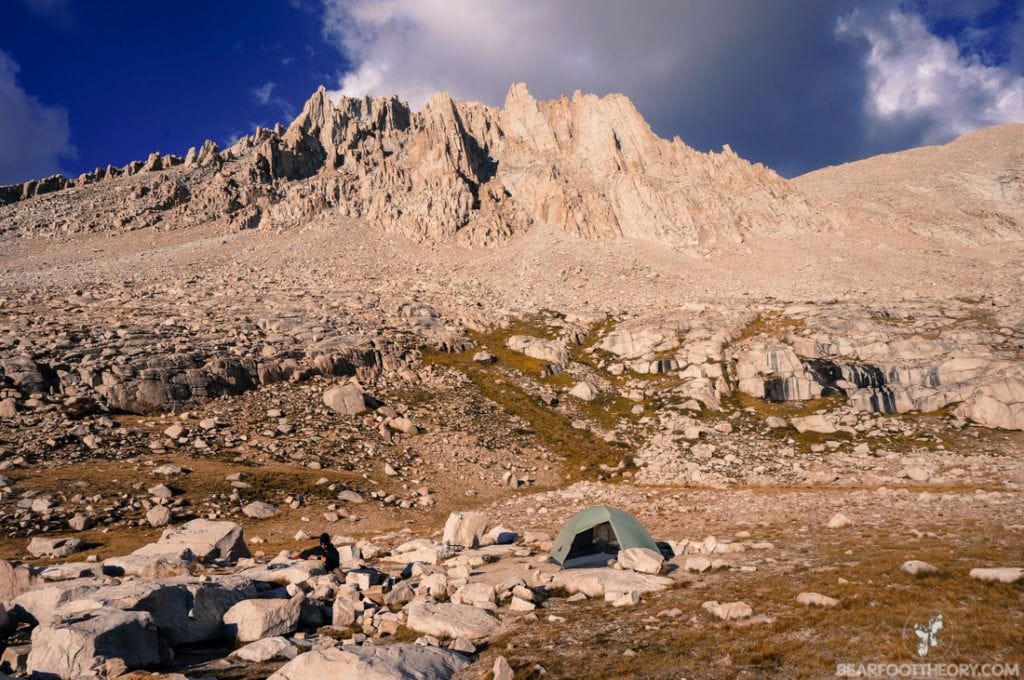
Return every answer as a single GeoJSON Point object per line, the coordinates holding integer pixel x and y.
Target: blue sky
{"type": "Point", "coordinates": [796, 84]}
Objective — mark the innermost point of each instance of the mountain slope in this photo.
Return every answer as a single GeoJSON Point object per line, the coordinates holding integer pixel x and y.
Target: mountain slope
{"type": "Point", "coordinates": [970, 190]}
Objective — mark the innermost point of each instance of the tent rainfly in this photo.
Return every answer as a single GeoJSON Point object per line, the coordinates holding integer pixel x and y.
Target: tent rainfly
{"type": "Point", "coordinates": [595, 535]}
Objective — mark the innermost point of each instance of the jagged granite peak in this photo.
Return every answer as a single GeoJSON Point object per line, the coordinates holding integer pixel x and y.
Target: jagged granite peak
{"type": "Point", "coordinates": [589, 165]}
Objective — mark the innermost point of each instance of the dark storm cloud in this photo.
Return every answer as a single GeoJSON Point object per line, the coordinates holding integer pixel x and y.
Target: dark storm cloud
{"type": "Point", "coordinates": [788, 83]}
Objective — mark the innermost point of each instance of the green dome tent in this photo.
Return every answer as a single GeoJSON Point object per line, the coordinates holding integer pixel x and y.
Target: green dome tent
{"type": "Point", "coordinates": [596, 535]}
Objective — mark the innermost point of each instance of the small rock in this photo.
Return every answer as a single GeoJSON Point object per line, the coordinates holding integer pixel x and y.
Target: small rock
{"type": "Point", "coordinates": [259, 510]}
{"type": "Point", "coordinates": [918, 568]}
{"type": "Point", "coordinates": [838, 521]}
{"type": "Point", "coordinates": [158, 516]}
{"type": "Point", "coordinates": [501, 670]}
{"type": "Point", "coordinates": [729, 611]}
{"type": "Point", "coordinates": [816, 600]}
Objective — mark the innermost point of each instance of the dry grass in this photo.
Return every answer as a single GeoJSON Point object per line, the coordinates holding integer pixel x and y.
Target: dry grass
{"type": "Point", "coordinates": [774, 325]}
{"type": "Point", "coordinates": [984, 622]}
{"type": "Point", "coordinates": [500, 382]}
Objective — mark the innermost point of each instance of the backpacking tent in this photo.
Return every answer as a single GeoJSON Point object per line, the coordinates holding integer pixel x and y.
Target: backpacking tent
{"type": "Point", "coordinates": [596, 535]}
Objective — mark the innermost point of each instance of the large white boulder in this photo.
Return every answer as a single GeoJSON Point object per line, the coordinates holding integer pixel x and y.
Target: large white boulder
{"type": "Point", "coordinates": [476, 594]}
{"type": "Point", "coordinates": [185, 610]}
{"type": "Point", "coordinates": [16, 579]}
{"type": "Point", "coordinates": [348, 400]}
{"type": "Point", "coordinates": [546, 350]}
{"type": "Point", "coordinates": [374, 662]}
{"type": "Point", "coordinates": [465, 529]}
{"type": "Point", "coordinates": [252, 620]}
{"type": "Point", "coordinates": [148, 566]}
{"type": "Point", "coordinates": [451, 620]}
{"type": "Point", "coordinates": [44, 546]}
{"type": "Point", "coordinates": [204, 539]}
{"type": "Point", "coordinates": [284, 572]}
{"type": "Point", "coordinates": [43, 602]}
{"type": "Point", "coordinates": [266, 649]}
{"type": "Point", "coordinates": [643, 560]}
{"type": "Point", "coordinates": [72, 649]}
{"type": "Point", "coordinates": [584, 391]}
{"type": "Point", "coordinates": [596, 583]}
{"type": "Point", "coordinates": [814, 423]}
{"type": "Point", "coordinates": [259, 510]}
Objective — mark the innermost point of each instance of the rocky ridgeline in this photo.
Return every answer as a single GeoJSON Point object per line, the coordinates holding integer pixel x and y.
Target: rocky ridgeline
{"type": "Point", "coordinates": [588, 165]}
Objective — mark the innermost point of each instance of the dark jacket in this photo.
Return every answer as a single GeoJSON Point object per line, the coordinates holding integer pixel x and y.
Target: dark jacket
{"type": "Point", "coordinates": [328, 554]}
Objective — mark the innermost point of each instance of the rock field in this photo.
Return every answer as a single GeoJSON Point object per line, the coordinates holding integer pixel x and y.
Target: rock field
{"type": "Point", "coordinates": [437, 335]}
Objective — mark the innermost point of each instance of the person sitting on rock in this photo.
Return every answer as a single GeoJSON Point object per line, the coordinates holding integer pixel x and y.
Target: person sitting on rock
{"type": "Point", "coordinates": [325, 552]}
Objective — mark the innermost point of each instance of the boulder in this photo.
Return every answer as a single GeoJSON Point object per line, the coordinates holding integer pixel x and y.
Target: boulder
{"type": "Point", "coordinates": [42, 602]}
{"type": "Point", "coordinates": [584, 391]}
{"type": "Point", "coordinates": [596, 582]}
{"type": "Point", "coordinates": [42, 546]}
{"type": "Point", "coordinates": [502, 670]}
{"type": "Point", "coordinates": [697, 564]}
{"type": "Point", "coordinates": [15, 659]}
{"type": "Point", "coordinates": [403, 425]}
{"type": "Point", "coordinates": [374, 662]}
{"type": "Point", "coordinates": [285, 572]}
{"type": "Point", "coordinates": [71, 649]}
{"type": "Point", "coordinates": [147, 566]}
{"type": "Point", "coordinates": [839, 521]}
{"type": "Point", "coordinates": [419, 550]}
{"type": "Point", "coordinates": [551, 351]}
{"type": "Point", "coordinates": [259, 510]}
{"type": "Point", "coordinates": [729, 611]}
{"type": "Point", "coordinates": [16, 579]}
{"type": "Point", "coordinates": [816, 600]}
{"type": "Point", "coordinates": [343, 612]}
{"type": "Point", "coordinates": [267, 649]}
{"type": "Point", "coordinates": [918, 568]}
{"type": "Point", "coordinates": [476, 594]}
{"type": "Point", "coordinates": [998, 574]}
{"type": "Point", "coordinates": [643, 560]}
{"type": "Point", "coordinates": [159, 516]}
{"type": "Point", "coordinates": [448, 620]}
{"type": "Point", "coordinates": [66, 571]}
{"type": "Point", "coordinates": [251, 620]}
{"type": "Point", "coordinates": [465, 529]}
{"type": "Point", "coordinates": [204, 539]}
{"type": "Point", "coordinates": [348, 400]}
{"type": "Point", "coordinates": [184, 610]}
{"type": "Point", "coordinates": [814, 423]}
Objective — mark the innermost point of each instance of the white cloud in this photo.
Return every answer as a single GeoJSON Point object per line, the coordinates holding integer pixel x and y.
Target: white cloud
{"type": "Point", "coordinates": [475, 50]}
{"type": "Point", "coordinates": [34, 137]}
{"type": "Point", "coordinates": [264, 96]}
{"type": "Point", "coordinates": [915, 78]}
{"type": "Point", "coordinates": [264, 92]}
